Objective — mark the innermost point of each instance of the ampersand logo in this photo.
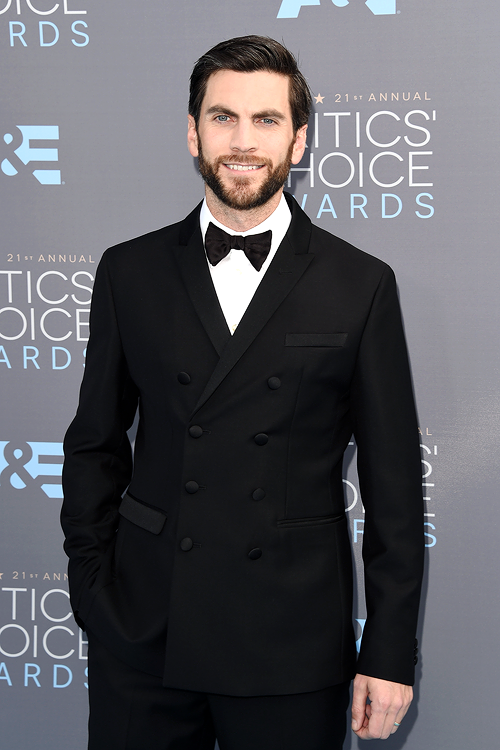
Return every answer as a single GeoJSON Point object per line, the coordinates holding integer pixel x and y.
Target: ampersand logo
{"type": "Point", "coordinates": [30, 468]}
{"type": "Point", "coordinates": [22, 152]}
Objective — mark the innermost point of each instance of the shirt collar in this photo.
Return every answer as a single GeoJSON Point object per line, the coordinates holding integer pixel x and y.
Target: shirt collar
{"type": "Point", "coordinates": [278, 222]}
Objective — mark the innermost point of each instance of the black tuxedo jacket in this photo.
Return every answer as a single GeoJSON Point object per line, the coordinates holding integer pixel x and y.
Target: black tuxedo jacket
{"type": "Point", "coordinates": [226, 566]}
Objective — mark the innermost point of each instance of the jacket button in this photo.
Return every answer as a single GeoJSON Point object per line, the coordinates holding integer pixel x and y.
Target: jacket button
{"type": "Point", "coordinates": [274, 383]}
{"type": "Point", "coordinates": [196, 431]}
{"type": "Point", "coordinates": [186, 544]}
{"type": "Point", "coordinates": [192, 487]}
{"type": "Point", "coordinates": [184, 378]}
{"type": "Point", "coordinates": [258, 494]}
{"type": "Point", "coordinates": [261, 438]}
{"type": "Point", "coordinates": [254, 554]}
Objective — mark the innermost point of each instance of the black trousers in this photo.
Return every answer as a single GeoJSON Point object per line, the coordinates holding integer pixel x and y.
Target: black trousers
{"type": "Point", "coordinates": [131, 710]}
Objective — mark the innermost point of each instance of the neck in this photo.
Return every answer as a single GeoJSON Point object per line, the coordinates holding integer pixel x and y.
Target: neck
{"type": "Point", "coordinates": [236, 219]}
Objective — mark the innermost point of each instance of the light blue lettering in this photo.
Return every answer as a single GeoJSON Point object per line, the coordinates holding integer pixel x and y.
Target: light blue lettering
{"type": "Point", "coordinates": [382, 7]}
{"type": "Point", "coordinates": [80, 33]}
{"type": "Point", "coordinates": [39, 464]}
{"type": "Point", "coordinates": [69, 680]}
{"type": "Point", "coordinates": [5, 358]}
{"type": "Point", "coordinates": [31, 675]}
{"type": "Point", "coordinates": [359, 206]}
{"type": "Point", "coordinates": [55, 366]}
{"type": "Point", "coordinates": [86, 675]}
{"type": "Point", "coordinates": [433, 539]}
{"type": "Point", "coordinates": [385, 215]}
{"type": "Point", "coordinates": [41, 25]}
{"type": "Point", "coordinates": [4, 674]}
{"type": "Point", "coordinates": [8, 168]}
{"type": "Point", "coordinates": [361, 624]}
{"type": "Point", "coordinates": [330, 209]}
{"type": "Point", "coordinates": [28, 153]}
{"type": "Point", "coordinates": [302, 205]}
{"type": "Point", "coordinates": [291, 8]}
{"type": "Point", "coordinates": [425, 205]}
{"type": "Point", "coordinates": [30, 357]}
{"type": "Point", "coordinates": [19, 34]}
{"type": "Point", "coordinates": [357, 529]}
{"type": "Point", "coordinates": [47, 176]}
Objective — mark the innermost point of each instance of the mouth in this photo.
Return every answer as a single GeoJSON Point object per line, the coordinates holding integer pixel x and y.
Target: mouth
{"type": "Point", "coordinates": [243, 167]}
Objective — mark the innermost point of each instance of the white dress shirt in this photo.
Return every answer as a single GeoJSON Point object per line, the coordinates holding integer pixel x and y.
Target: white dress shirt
{"type": "Point", "coordinates": [235, 279]}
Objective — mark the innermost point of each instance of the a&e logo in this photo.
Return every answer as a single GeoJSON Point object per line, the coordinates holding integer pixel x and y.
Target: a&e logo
{"type": "Point", "coordinates": [291, 8]}
{"type": "Point", "coordinates": [24, 153]}
{"type": "Point", "coordinates": [30, 468]}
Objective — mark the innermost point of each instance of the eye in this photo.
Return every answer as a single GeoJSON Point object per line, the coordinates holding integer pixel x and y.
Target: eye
{"type": "Point", "coordinates": [268, 121]}
{"type": "Point", "coordinates": [222, 118]}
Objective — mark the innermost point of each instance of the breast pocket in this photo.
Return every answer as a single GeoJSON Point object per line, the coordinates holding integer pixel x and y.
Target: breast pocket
{"type": "Point", "coordinates": [316, 339]}
{"type": "Point", "coordinates": [296, 523]}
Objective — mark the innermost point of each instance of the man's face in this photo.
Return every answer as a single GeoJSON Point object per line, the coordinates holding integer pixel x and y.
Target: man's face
{"type": "Point", "coordinates": [244, 141]}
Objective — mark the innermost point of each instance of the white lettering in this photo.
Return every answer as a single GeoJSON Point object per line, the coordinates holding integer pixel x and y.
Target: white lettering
{"type": "Point", "coordinates": [42, 323]}
{"type": "Point", "coordinates": [368, 129]}
{"type": "Point", "coordinates": [46, 648]}
{"type": "Point", "coordinates": [42, 605]}
{"type": "Point", "coordinates": [39, 292]}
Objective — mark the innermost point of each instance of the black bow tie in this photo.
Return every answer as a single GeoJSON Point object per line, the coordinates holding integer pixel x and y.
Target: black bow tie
{"type": "Point", "coordinates": [218, 244]}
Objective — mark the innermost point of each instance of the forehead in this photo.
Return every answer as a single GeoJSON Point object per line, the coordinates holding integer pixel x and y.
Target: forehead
{"type": "Point", "coordinates": [253, 92]}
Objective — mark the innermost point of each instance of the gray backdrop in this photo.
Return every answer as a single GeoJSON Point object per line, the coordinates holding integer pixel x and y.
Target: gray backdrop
{"type": "Point", "coordinates": [402, 161]}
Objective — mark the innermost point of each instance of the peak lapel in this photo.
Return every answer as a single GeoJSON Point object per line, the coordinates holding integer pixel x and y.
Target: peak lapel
{"type": "Point", "coordinates": [198, 282]}
{"type": "Point", "coordinates": [287, 266]}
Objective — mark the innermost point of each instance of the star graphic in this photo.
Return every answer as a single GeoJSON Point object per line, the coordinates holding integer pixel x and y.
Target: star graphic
{"type": "Point", "coordinates": [319, 99]}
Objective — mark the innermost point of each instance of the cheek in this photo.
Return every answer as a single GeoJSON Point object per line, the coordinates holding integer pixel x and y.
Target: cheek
{"type": "Point", "coordinates": [216, 146]}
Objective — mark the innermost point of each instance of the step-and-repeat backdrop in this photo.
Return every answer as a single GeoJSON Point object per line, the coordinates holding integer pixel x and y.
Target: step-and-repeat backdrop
{"type": "Point", "coordinates": [402, 160]}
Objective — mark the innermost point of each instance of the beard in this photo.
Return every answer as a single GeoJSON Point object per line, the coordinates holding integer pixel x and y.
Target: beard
{"type": "Point", "coordinates": [241, 195]}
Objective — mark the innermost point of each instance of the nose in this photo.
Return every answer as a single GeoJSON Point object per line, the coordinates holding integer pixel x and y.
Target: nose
{"type": "Point", "coordinates": [244, 137]}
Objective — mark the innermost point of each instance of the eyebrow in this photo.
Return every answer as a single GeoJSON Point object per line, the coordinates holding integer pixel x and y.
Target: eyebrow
{"type": "Point", "coordinates": [220, 108]}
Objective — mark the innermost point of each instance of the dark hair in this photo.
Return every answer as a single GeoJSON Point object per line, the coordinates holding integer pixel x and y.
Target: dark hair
{"type": "Point", "coordinates": [246, 54]}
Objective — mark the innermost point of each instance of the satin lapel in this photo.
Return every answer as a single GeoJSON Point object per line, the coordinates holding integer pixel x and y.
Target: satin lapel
{"type": "Point", "coordinates": [198, 282]}
{"type": "Point", "coordinates": [285, 270]}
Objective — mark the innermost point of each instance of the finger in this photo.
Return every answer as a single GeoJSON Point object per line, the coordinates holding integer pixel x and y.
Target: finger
{"type": "Point", "coordinates": [372, 726]}
{"type": "Point", "coordinates": [396, 726]}
{"type": "Point", "coordinates": [393, 720]}
{"type": "Point", "coordinates": [399, 718]}
{"type": "Point", "coordinates": [359, 707]}
{"type": "Point", "coordinates": [378, 727]}
{"type": "Point", "coordinates": [382, 722]}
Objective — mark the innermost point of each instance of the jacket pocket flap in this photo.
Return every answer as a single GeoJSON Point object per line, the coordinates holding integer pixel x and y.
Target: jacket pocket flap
{"type": "Point", "coordinates": [315, 521]}
{"type": "Point", "coordinates": [150, 519]}
{"type": "Point", "coordinates": [315, 339]}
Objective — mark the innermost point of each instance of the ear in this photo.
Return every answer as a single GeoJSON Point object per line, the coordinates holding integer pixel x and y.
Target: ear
{"type": "Point", "coordinates": [300, 144]}
{"type": "Point", "coordinates": [192, 136]}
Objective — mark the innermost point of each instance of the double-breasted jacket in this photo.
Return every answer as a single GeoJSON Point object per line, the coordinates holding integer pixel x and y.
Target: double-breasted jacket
{"type": "Point", "coordinates": [219, 555]}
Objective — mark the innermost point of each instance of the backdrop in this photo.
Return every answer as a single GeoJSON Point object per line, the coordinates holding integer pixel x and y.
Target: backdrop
{"type": "Point", "coordinates": [402, 161]}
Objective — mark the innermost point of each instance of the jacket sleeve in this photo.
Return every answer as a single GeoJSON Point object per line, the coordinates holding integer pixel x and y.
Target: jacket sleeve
{"type": "Point", "coordinates": [389, 469]}
{"type": "Point", "coordinates": [98, 457]}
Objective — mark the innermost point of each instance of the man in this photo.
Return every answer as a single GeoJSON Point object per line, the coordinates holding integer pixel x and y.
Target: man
{"type": "Point", "coordinates": [217, 591]}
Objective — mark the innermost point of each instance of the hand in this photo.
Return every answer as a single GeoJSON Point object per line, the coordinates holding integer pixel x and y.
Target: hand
{"type": "Point", "coordinates": [389, 702]}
